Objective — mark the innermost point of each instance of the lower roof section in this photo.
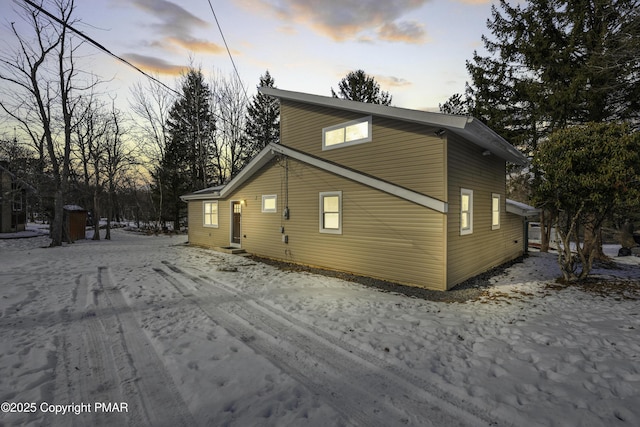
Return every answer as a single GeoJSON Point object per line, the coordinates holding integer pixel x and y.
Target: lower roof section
{"type": "Point", "coordinates": [272, 150]}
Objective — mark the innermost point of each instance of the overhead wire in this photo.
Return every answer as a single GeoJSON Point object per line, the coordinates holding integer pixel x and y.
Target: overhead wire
{"type": "Point", "coordinates": [107, 51]}
{"type": "Point", "coordinates": [228, 50]}
{"type": "Point", "coordinates": [98, 45]}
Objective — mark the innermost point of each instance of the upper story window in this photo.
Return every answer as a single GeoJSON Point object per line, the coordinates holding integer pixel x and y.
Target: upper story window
{"type": "Point", "coordinates": [210, 214]}
{"type": "Point", "coordinates": [269, 203]}
{"type": "Point", "coordinates": [466, 211]}
{"type": "Point", "coordinates": [345, 134]}
{"type": "Point", "coordinates": [495, 211]}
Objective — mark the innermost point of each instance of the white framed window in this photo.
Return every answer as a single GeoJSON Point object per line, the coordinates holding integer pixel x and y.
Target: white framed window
{"type": "Point", "coordinates": [210, 214]}
{"type": "Point", "coordinates": [495, 211]}
{"type": "Point", "coordinates": [466, 211]}
{"type": "Point", "coordinates": [270, 203]}
{"type": "Point", "coordinates": [331, 212]}
{"type": "Point", "coordinates": [345, 134]}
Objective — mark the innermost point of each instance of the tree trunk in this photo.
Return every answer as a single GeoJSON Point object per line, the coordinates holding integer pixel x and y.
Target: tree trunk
{"type": "Point", "coordinates": [96, 214]}
{"type": "Point", "coordinates": [107, 235]}
{"type": "Point", "coordinates": [55, 228]}
{"type": "Point", "coordinates": [593, 242]}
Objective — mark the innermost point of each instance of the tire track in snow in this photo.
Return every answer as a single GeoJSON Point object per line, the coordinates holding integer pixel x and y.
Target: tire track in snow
{"type": "Point", "coordinates": [106, 357]}
{"type": "Point", "coordinates": [85, 372]}
{"type": "Point", "coordinates": [356, 383]}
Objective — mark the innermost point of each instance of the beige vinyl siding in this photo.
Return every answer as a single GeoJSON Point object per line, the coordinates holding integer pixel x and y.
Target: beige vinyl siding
{"type": "Point", "coordinates": [407, 154]}
{"type": "Point", "coordinates": [382, 236]}
{"type": "Point", "coordinates": [472, 254]}
{"type": "Point", "coordinates": [200, 235]}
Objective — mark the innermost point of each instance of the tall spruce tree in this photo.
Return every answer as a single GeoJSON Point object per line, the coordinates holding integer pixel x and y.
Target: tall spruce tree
{"type": "Point", "coordinates": [358, 86]}
{"type": "Point", "coordinates": [263, 119]}
{"type": "Point", "coordinates": [554, 63]}
{"type": "Point", "coordinates": [187, 162]}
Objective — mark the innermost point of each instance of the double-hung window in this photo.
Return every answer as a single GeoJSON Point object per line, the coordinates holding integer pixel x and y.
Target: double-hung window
{"type": "Point", "coordinates": [495, 211]}
{"type": "Point", "coordinates": [466, 211]}
{"type": "Point", "coordinates": [345, 134]}
{"type": "Point", "coordinates": [331, 212]}
{"type": "Point", "coordinates": [210, 214]}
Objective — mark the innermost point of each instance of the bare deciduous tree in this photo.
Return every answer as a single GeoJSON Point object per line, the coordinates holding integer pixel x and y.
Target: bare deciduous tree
{"type": "Point", "coordinates": [41, 75]}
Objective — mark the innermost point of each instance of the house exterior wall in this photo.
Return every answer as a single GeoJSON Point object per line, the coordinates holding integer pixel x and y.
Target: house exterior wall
{"type": "Point", "coordinates": [383, 236]}
{"type": "Point", "coordinates": [472, 254]}
{"type": "Point", "coordinates": [407, 154]}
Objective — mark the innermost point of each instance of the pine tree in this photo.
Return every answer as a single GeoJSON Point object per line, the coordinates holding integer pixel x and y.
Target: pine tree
{"type": "Point", "coordinates": [187, 162]}
{"type": "Point", "coordinates": [358, 86]}
{"type": "Point", "coordinates": [554, 63]}
{"type": "Point", "coordinates": [263, 119]}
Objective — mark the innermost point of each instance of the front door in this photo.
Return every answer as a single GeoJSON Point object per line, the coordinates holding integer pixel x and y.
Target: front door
{"type": "Point", "coordinates": [236, 223]}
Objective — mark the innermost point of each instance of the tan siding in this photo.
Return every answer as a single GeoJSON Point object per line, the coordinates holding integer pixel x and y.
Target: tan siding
{"type": "Point", "coordinates": [407, 154]}
{"type": "Point", "coordinates": [383, 236]}
{"type": "Point", "coordinates": [208, 236]}
{"type": "Point", "coordinates": [469, 255]}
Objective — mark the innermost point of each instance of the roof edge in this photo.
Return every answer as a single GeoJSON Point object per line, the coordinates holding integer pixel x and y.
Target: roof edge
{"type": "Point", "coordinates": [468, 127]}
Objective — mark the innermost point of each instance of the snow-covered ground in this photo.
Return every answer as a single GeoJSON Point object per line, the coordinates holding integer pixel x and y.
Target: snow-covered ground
{"type": "Point", "coordinates": [170, 335]}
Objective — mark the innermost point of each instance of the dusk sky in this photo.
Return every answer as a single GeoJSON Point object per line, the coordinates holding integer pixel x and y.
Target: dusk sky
{"type": "Point", "coordinates": [415, 49]}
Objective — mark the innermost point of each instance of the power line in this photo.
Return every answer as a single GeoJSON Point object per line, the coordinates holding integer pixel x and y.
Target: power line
{"type": "Point", "coordinates": [228, 51]}
{"type": "Point", "coordinates": [104, 49]}
{"type": "Point", "coordinates": [99, 46]}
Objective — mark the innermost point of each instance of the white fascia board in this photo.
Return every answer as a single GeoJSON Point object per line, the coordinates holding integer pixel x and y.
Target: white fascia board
{"type": "Point", "coordinates": [206, 193]}
{"type": "Point", "coordinates": [261, 159]}
{"type": "Point", "coordinates": [389, 188]}
{"type": "Point", "coordinates": [404, 114]}
{"type": "Point", "coordinates": [521, 209]}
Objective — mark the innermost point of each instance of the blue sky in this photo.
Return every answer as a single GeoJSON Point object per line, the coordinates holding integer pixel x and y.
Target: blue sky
{"type": "Point", "coordinates": [416, 49]}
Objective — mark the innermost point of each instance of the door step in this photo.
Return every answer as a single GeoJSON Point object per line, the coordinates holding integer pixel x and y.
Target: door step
{"type": "Point", "coordinates": [230, 250]}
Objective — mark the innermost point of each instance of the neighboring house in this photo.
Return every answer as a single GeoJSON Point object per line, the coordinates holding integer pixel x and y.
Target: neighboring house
{"type": "Point", "coordinates": [13, 216]}
{"type": "Point", "coordinates": [407, 196]}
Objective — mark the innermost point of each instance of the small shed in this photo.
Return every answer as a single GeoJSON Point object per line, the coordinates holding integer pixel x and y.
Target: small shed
{"type": "Point", "coordinates": [75, 222]}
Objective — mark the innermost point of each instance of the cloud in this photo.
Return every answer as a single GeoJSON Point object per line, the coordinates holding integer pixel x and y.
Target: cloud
{"type": "Point", "coordinates": [196, 45]}
{"type": "Point", "coordinates": [153, 64]}
{"type": "Point", "coordinates": [407, 32]}
{"type": "Point", "coordinates": [353, 19]}
{"type": "Point", "coordinates": [175, 26]}
{"type": "Point", "coordinates": [392, 81]}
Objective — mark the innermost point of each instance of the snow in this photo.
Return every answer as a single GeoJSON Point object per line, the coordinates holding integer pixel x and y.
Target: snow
{"type": "Point", "coordinates": [180, 338]}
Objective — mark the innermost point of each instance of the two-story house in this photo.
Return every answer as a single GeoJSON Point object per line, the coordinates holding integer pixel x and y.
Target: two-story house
{"type": "Point", "coordinates": [407, 196]}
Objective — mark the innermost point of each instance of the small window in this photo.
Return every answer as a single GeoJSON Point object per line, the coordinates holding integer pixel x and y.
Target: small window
{"type": "Point", "coordinates": [466, 211]}
{"type": "Point", "coordinates": [345, 134]}
{"type": "Point", "coordinates": [269, 203]}
{"type": "Point", "coordinates": [210, 214]}
{"type": "Point", "coordinates": [331, 212]}
{"type": "Point", "coordinates": [495, 211]}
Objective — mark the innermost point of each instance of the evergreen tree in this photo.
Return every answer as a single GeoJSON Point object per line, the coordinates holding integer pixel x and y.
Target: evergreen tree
{"type": "Point", "coordinates": [263, 119]}
{"type": "Point", "coordinates": [358, 86]}
{"type": "Point", "coordinates": [187, 162]}
{"type": "Point", "coordinates": [457, 105]}
{"type": "Point", "coordinates": [554, 63]}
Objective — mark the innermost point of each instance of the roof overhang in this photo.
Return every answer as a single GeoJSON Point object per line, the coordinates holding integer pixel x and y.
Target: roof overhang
{"type": "Point", "coordinates": [468, 127]}
{"type": "Point", "coordinates": [521, 209]}
{"type": "Point", "coordinates": [272, 150]}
